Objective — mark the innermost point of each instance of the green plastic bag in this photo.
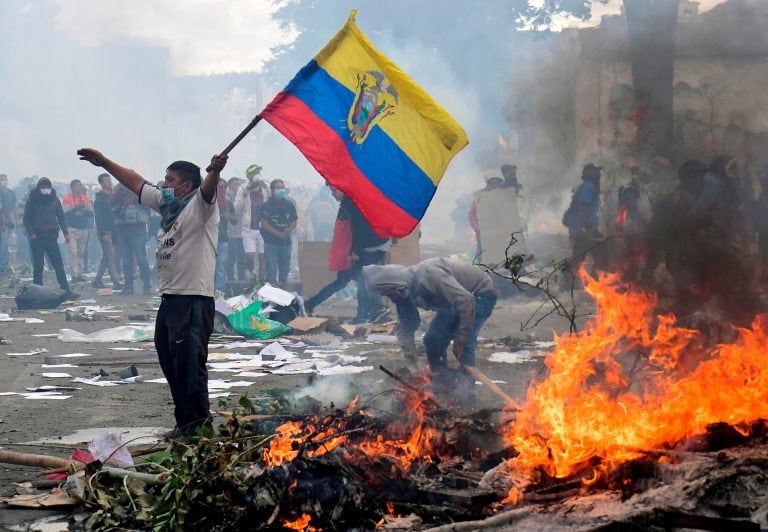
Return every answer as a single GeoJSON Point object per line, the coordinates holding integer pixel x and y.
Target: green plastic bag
{"type": "Point", "coordinates": [251, 324]}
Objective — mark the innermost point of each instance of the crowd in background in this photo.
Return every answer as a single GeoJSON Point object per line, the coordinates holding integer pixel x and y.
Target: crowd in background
{"type": "Point", "coordinates": [101, 230]}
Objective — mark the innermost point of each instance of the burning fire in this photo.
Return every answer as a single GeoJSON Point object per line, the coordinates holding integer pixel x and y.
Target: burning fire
{"type": "Point", "coordinates": [635, 380]}
{"type": "Point", "coordinates": [408, 443]}
{"type": "Point", "coordinates": [301, 524]}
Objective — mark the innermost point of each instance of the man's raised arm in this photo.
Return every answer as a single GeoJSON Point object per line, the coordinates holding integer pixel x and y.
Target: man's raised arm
{"type": "Point", "coordinates": [211, 181]}
{"type": "Point", "coordinates": [126, 176]}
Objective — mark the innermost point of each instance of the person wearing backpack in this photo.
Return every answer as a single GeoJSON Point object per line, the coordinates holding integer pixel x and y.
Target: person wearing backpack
{"type": "Point", "coordinates": [583, 214]}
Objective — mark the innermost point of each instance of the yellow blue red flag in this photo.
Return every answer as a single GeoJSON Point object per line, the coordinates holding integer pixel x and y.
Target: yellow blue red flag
{"type": "Point", "coordinates": [369, 130]}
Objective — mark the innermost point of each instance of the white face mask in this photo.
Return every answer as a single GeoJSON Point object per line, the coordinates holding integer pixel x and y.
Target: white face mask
{"type": "Point", "coordinates": [46, 191]}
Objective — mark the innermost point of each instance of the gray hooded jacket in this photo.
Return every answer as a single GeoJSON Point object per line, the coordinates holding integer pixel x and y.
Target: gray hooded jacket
{"type": "Point", "coordinates": [433, 284]}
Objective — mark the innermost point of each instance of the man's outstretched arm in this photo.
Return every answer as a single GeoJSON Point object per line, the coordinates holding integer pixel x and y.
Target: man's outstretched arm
{"type": "Point", "coordinates": [132, 180]}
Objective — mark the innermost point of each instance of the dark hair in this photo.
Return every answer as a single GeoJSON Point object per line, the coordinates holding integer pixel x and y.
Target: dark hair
{"type": "Point", "coordinates": [102, 177]}
{"type": "Point", "coordinates": [188, 172]}
{"type": "Point", "coordinates": [274, 183]}
{"type": "Point", "coordinates": [75, 182]}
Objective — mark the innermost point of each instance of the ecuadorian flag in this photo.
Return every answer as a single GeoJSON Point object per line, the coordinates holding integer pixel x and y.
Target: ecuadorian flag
{"type": "Point", "coordinates": [369, 130]}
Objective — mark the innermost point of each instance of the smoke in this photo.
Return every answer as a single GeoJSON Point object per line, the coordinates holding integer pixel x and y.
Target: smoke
{"type": "Point", "coordinates": [336, 390]}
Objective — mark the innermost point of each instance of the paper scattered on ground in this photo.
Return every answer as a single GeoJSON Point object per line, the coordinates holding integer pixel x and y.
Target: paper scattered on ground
{"type": "Point", "coordinates": [275, 295]}
{"type": "Point", "coordinates": [544, 345]}
{"type": "Point", "coordinates": [278, 351]}
{"type": "Point", "coordinates": [45, 395]}
{"type": "Point", "coordinates": [161, 380]}
{"type": "Point", "coordinates": [124, 333]}
{"type": "Point", "coordinates": [54, 375]}
{"type": "Point", "coordinates": [33, 320]}
{"type": "Point", "coordinates": [95, 381]}
{"type": "Point", "coordinates": [524, 355]}
{"type": "Point", "coordinates": [251, 374]}
{"type": "Point", "coordinates": [127, 349]}
{"type": "Point", "coordinates": [52, 366]}
{"type": "Point", "coordinates": [46, 335]}
{"type": "Point", "coordinates": [219, 384]}
{"type": "Point", "coordinates": [341, 370]}
{"type": "Point", "coordinates": [73, 355]}
{"type": "Point", "coordinates": [30, 353]}
{"type": "Point", "coordinates": [5, 317]}
{"type": "Point", "coordinates": [382, 338]}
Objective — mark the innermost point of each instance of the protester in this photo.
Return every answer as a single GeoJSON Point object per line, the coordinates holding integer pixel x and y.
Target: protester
{"type": "Point", "coordinates": [509, 173]}
{"type": "Point", "coordinates": [131, 220]}
{"type": "Point", "coordinates": [582, 216]}
{"type": "Point", "coordinates": [249, 203]}
{"type": "Point", "coordinates": [367, 248]}
{"type": "Point", "coordinates": [236, 252]}
{"type": "Point", "coordinates": [78, 212]}
{"type": "Point", "coordinates": [461, 294]}
{"type": "Point", "coordinates": [43, 217]}
{"type": "Point", "coordinates": [8, 221]}
{"type": "Point", "coordinates": [492, 182]}
{"type": "Point", "coordinates": [105, 228]}
{"type": "Point", "coordinates": [339, 253]}
{"type": "Point", "coordinates": [186, 259]}
{"type": "Point", "coordinates": [278, 220]}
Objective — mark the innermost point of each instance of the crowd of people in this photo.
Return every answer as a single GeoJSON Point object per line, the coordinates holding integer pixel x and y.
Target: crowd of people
{"type": "Point", "coordinates": [103, 230]}
{"type": "Point", "coordinates": [705, 225]}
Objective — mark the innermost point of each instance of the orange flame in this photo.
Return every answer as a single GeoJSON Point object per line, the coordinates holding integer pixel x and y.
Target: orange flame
{"type": "Point", "coordinates": [415, 445]}
{"type": "Point", "coordinates": [301, 524]}
{"type": "Point", "coordinates": [633, 380]}
{"type": "Point", "coordinates": [513, 497]}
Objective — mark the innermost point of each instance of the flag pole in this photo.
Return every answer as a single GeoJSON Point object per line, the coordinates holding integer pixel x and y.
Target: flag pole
{"type": "Point", "coordinates": [241, 136]}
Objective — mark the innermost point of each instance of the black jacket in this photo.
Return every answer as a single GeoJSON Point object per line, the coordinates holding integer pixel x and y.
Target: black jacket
{"type": "Point", "coordinates": [105, 222]}
{"type": "Point", "coordinates": [43, 215]}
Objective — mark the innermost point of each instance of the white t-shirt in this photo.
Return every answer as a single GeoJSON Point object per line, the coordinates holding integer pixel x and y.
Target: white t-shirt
{"type": "Point", "coordinates": [186, 254]}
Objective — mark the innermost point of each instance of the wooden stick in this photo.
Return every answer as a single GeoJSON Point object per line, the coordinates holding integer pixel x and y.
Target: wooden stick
{"type": "Point", "coordinates": [34, 460]}
{"type": "Point", "coordinates": [241, 136]}
{"type": "Point", "coordinates": [498, 519]}
{"type": "Point", "coordinates": [479, 375]}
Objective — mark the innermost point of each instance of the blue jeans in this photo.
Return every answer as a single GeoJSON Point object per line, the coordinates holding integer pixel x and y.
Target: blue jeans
{"type": "Point", "coordinates": [277, 262]}
{"type": "Point", "coordinates": [342, 279]}
{"type": "Point", "coordinates": [445, 325]}
{"type": "Point", "coordinates": [220, 277]}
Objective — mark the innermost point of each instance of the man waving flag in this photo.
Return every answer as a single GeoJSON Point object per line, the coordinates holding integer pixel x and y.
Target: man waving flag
{"type": "Point", "coordinates": [369, 130]}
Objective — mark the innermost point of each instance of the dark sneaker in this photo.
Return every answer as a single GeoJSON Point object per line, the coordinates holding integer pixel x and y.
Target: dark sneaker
{"type": "Point", "coordinates": [117, 286]}
{"type": "Point", "coordinates": [173, 435]}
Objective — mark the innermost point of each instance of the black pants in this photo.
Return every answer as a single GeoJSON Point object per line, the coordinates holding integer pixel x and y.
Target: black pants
{"type": "Point", "coordinates": [183, 327]}
{"type": "Point", "coordinates": [40, 246]}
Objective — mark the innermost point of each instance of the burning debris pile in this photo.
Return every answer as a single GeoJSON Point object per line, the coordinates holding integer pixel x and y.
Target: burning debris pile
{"type": "Point", "coordinates": [359, 468]}
{"type": "Point", "coordinates": [637, 403]}
{"type": "Point", "coordinates": [639, 421]}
